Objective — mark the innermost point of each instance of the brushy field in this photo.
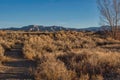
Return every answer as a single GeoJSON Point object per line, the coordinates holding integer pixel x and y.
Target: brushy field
{"type": "Point", "coordinates": [7, 41]}
{"type": "Point", "coordinates": [73, 56]}
{"type": "Point", "coordinates": [68, 55]}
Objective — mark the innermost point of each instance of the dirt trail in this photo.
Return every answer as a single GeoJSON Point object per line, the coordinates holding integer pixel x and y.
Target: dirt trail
{"type": "Point", "coordinates": [17, 68]}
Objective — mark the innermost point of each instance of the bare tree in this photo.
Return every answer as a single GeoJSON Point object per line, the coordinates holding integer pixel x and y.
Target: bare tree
{"type": "Point", "coordinates": [110, 15]}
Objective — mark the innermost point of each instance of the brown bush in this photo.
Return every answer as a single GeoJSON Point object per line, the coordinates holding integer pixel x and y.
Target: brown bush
{"type": "Point", "coordinates": [94, 64]}
{"type": "Point", "coordinates": [52, 69]}
{"type": "Point", "coordinates": [1, 53]}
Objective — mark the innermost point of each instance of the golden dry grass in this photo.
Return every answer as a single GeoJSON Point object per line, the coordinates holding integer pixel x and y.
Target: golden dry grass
{"type": "Point", "coordinates": [81, 54]}
{"type": "Point", "coordinates": [68, 55]}
{"type": "Point", "coordinates": [7, 41]}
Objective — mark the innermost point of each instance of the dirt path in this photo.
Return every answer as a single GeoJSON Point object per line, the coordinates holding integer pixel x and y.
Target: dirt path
{"type": "Point", "coordinates": [17, 68]}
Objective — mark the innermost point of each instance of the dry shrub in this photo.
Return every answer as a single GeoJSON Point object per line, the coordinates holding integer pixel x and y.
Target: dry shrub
{"type": "Point", "coordinates": [94, 64]}
{"type": "Point", "coordinates": [38, 45]}
{"type": "Point", "coordinates": [1, 53]}
{"type": "Point", "coordinates": [3, 33]}
{"type": "Point", "coordinates": [28, 52]}
{"type": "Point", "coordinates": [52, 69]}
{"type": "Point", "coordinates": [59, 41]}
{"type": "Point", "coordinates": [7, 41]}
{"type": "Point", "coordinates": [62, 54]}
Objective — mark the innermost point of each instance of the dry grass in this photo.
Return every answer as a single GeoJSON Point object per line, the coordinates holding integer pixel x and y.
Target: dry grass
{"type": "Point", "coordinates": [73, 56]}
{"type": "Point", "coordinates": [7, 41]}
{"type": "Point", "coordinates": [1, 53]}
{"type": "Point", "coordinates": [81, 65]}
{"type": "Point", "coordinates": [68, 55]}
{"type": "Point", "coordinates": [49, 68]}
{"type": "Point", "coordinates": [93, 63]}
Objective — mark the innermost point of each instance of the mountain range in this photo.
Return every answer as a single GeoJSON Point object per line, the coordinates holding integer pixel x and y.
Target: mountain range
{"type": "Point", "coordinates": [51, 28]}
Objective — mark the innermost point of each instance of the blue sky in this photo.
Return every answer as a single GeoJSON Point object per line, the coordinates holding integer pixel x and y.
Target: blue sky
{"type": "Point", "coordinates": [67, 13]}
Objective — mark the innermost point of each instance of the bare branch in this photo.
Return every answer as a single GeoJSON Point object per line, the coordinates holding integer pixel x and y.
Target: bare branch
{"type": "Point", "coordinates": [110, 12]}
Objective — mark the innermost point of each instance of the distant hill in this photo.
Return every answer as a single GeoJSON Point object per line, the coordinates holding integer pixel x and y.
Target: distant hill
{"type": "Point", "coordinates": [51, 28]}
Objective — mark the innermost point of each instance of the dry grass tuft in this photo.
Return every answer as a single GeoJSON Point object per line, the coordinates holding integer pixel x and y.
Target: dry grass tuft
{"type": "Point", "coordinates": [52, 69]}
